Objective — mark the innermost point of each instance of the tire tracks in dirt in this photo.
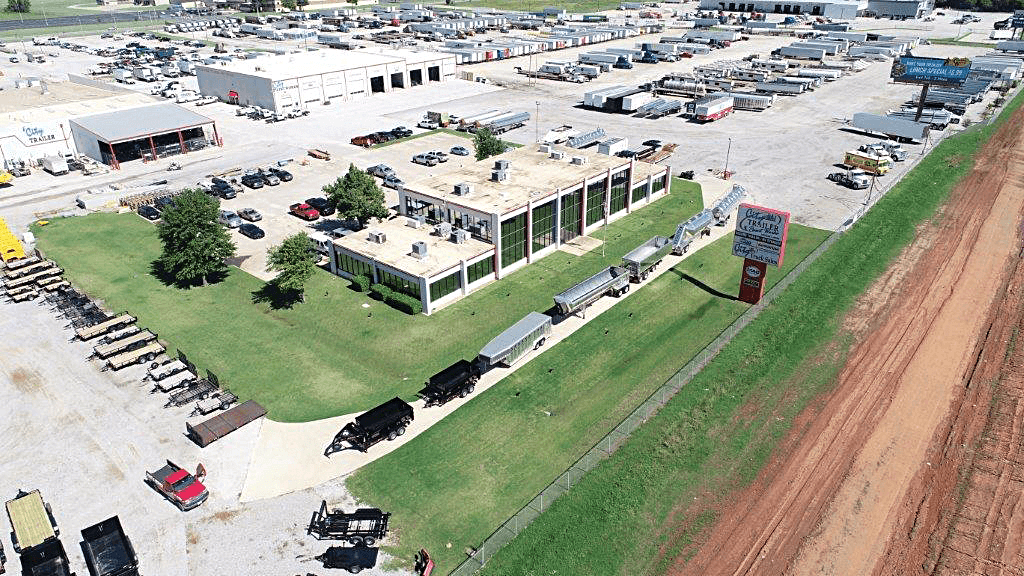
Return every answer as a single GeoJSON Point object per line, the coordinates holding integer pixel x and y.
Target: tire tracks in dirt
{"type": "Point", "coordinates": [829, 503]}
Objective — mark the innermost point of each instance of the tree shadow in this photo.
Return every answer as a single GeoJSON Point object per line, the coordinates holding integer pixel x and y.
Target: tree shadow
{"type": "Point", "coordinates": [702, 286]}
{"type": "Point", "coordinates": [166, 276]}
{"type": "Point", "coordinates": [272, 294]}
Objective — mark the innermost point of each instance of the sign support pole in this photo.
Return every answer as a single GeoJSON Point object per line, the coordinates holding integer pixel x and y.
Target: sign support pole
{"type": "Point", "coordinates": [920, 103]}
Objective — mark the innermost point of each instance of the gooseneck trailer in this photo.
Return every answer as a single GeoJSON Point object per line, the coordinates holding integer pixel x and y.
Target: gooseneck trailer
{"type": "Point", "coordinates": [511, 345]}
{"type": "Point", "coordinates": [387, 421]}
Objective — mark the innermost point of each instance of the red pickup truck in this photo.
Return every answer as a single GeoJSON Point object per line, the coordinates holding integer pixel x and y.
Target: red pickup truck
{"type": "Point", "coordinates": [304, 211]}
{"type": "Point", "coordinates": [177, 485]}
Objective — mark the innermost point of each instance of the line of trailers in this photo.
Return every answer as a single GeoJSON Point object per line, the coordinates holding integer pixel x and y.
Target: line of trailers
{"type": "Point", "coordinates": [391, 419]}
{"type": "Point", "coordinates": [35, 535]}
{"type": "Point", "coordinates": [121, 342]}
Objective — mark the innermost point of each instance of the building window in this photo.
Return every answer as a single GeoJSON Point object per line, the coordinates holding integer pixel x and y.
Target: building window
{"type": "Point", "coordinates": [639, 191]}
{"type": "Point", "coordinates": [617, 198]}
{"type": "Point", "coordinates": [481, 269]}
{"type": "Point", "coordinates": [571, 215]}
{"type": "Point", "coordinates": [353, 266]}
{"type": "Point", "coordinates": [595, 201]}
{"type": "Point", "coordinates": [445, 286]}
{"type": "Point", "coordinates": [543, 225]}
{"type": "Point", "coordinates": [416, 207]}
{"type": "Point", "coordinates": [399, 284]}
{"type": "Point", "coordinates": [513, 240]}
{"type": "Point", "coordinates": [657, 185]}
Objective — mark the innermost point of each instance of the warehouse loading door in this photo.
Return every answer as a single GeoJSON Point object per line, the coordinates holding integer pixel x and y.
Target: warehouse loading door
{"type": "Point", "coordinates": [434, 73]}
{"type": "Point", "coordinates": [397, 81]}
{"type": "Point", "coordinates": [376, 84]}
{"type": "Point", "coordinates": [415, 77]}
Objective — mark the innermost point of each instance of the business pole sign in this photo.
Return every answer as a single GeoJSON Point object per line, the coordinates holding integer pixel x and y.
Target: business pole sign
{"type": "Point", "coordinates": [1018, 19]}
{"type": "Point", "coordinates": [932, 71]}
{"type": "Point", "coordinates": [760, 239]}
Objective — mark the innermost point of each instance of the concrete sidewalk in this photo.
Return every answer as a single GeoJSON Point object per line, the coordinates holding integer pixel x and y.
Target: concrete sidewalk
{"type": "Point", "coordinates": [290, 456]}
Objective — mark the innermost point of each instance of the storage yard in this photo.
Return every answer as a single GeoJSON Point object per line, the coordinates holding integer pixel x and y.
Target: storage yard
{"type": "Point", "coordinates": [633, 136]}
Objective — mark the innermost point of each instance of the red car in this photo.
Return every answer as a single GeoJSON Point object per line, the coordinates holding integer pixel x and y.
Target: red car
{"type": "Point", "coordinates": [304, 211]}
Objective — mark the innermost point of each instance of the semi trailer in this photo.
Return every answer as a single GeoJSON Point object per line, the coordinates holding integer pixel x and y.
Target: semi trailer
{"type": "Point", "coordinates": [613, 280]}
{"type": "Point", "coordinates": [644, 259]}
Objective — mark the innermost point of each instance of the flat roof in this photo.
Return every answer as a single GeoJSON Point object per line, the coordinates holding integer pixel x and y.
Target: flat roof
{"type": "Point", "coordinates": [442, 253]}
{"type": "Point", "coordinates": [287, 66]}
{"type": "Point", "coordinates": [26, 97]}
{"type": "Point", "coordinates": [141, 121]}
{"type": "Point", "coordinates": [34, 109]}
{"type": "Point", "coordinates": [532, 175]}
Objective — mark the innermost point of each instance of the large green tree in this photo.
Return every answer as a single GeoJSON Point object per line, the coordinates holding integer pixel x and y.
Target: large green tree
{"type": "Point", "coordinates": [23, 6]}
{"type": "Point", "coordinates": [487, 144]}
{"type": "Point", "coordinates": [195, 244]}
{"type": "Point", "coordinates": [356, 196]}
{"type": "Point", "coordinates": [294, 259]}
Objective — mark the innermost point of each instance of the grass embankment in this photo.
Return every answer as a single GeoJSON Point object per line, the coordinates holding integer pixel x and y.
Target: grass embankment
{"type": "Point", "coordinates": [330, 355]}
{"type": "Point", "coordinates": [25, 34]}
{"type": "Point", "coordinates": [465, 475]}
{"type": "Point", "coordinates": [719, 431]}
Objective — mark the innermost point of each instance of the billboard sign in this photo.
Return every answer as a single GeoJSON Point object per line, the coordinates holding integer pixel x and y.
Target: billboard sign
{"type": "Point", "coordinates": [761, 234]}
{"type": "Point", "coordinates": [939, 71]}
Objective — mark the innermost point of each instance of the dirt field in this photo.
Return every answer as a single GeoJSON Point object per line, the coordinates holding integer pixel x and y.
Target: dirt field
{"type": "Point", "coordinates": [846, 492]}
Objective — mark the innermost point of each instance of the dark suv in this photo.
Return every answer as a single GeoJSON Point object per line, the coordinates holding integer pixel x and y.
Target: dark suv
{"type": "Point", "coordinates": [283, 175]}
{"type": "Point", "coordinates": [321, 204]}
{"type": "Point", "coordinates": [253, 181]}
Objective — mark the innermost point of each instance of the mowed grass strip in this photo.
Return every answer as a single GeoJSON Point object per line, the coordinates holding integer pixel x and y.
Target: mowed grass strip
{"type": "Point", "coordinates": [330, 355]}
{"type": "Point", "coordinates": [632, 515]}
{"type": "Point", "coordinates": [456, 482]}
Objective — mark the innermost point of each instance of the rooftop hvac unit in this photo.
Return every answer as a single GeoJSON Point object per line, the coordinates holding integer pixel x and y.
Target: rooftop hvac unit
{"type": "Point", "coordinates": [579, 160]}
{"type": "Point", "coordinates": [419, 249]}
{"type": "Point", "coordinates": [499, 175]}
{"type": "Point", "coordinates": [463, 189]}
{"type": "Point", "coordinates": [545, 149]}
{"type": "Point", "coordinates": [443, 229]}
{"type": "Point", "coordinates": [416, 221]}
{"type": "Point", "coordinates": [501, 164]}
{"type": "Point", "coordinates": [557, 154]}
{"type": "Point", "coordinates": [460, 236]}
{"type": "Point", "coordinates": [378, 237]}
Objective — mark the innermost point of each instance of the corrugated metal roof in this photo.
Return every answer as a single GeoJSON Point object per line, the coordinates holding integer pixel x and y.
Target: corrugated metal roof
{"type": "Point", "coordinates": [139, 122]}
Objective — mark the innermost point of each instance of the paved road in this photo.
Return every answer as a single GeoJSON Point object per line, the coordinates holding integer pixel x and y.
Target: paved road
{"type": "Point", "coordinates": [85, 18]}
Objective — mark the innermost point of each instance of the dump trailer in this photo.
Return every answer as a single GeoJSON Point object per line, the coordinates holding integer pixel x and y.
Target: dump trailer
{"type": "Point", "coordinates": [613, 280]}
{"type": "Point", "coordinates": [118, 346]}
{"type": "Point", "coordinates": [892, 127]}
{"type": "Point", "coordinates": [108, 551]}
{"type": "Point", "coordinates": [353, 559]}
{"type": "Point", "coordinates": [47, 559]}
{"type": "Point", "coordinates": [645, 258]}
{"type": "Point", "coordinates": [223, 424]}
{"type": "Point", "coordinates": [387, 421]}
{"type": "Point", "coordinates": [364, 527]}
{"type": "Point", "coordinates": [722, 210]}
{"type": "Point", "coordinates": [511, 345]}
{"type": "Point", "coordinates": [32, 521]}
{"type": "Point", "coordinates": [698, 225]}
{"type": "Point", "coordinates": [457, 380]}
{"type": "Point", "coordinates": [119, 321]}
{"type": "Point", "coordinates": [138, 354]}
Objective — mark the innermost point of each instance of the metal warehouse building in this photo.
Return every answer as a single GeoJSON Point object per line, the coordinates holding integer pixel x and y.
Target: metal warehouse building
{"type": "Point", "coordinates": [288, 81]}
{"type": "Point", "coordinates": [144, 132]}
{"type": "Point", "coordinates": [468, 227]}
{"type": "Point", "coordinates": [843, 10]}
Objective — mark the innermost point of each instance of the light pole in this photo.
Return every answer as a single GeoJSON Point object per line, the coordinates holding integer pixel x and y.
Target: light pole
{"type": "Point", "coordinates": [536, 121]}
{"type": "Point", "coordinates": [727, 152]}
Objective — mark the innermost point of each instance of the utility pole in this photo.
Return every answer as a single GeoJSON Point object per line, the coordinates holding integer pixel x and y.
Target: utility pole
{"type": "Point", "coordinates": [727, 152]}
{"type": "Point", "coordinates": [536, 121]}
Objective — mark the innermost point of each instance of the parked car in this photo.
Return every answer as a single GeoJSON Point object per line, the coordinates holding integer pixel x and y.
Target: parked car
{"type": "Point", "coordinates": [250, 214]}
{"type": "Point", "coordinates": [459, 151]}
{"type": "Point", "coordinates": [401, 132]}
{"type": "Point", "coordinates": [148, 212]}
{"type": "Point", "coordinates": [381, 171]}
{"type": "Point", "coordinates": [282, 174]}
{"type": "Point", "coordinates": [251, 230]}
{"type": "Point", "coordinates": [229, 219]}
{"type": "Point", "coordinates": [438, 155]}
{"type": "Point", "coordinates": [253, 181]}
{"type": "Point", "coordinates": [427, 124]}
{"type": "Point", "coordinates": [321, 204]}
{"type": "Point", "coordinates": [269, 178]}
{"type": "Point", "coordinates": [393, 181]}
{"type": "Point", "coordinates": [425, 159]}
{"type": "Point", "coordinates": [163, 203]}
{"type": "Point", "coordinates": [225, 191]}
{"type": "Point", "coordinates": [304, 211]}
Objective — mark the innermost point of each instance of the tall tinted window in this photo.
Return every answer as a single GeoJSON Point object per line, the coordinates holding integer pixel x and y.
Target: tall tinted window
{"type": "Point", "coordinates": [513, 240]}
{"type": "Point", "coordinates": [544, 225]}
{"type": "Point", "coordinates": [595, 201]}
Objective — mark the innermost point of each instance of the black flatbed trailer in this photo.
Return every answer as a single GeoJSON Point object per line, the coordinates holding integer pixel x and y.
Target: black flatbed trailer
{"type": "Point", "coordinates": [457, 380]}
{"type": "Point", "coordinates": [365, 526]}
{"type": "Point", "coordinates": [108, 551]}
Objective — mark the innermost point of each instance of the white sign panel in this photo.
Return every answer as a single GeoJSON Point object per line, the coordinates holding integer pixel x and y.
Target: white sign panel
{"type": "Point", "coordinates": [761, 234]}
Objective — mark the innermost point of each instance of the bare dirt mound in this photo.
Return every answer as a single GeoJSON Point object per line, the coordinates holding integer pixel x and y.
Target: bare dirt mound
{"type": "Point", "coordinates": [830, 499]}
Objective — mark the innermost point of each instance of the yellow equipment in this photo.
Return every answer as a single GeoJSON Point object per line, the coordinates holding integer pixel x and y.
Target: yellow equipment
{"type": "Point", "coordinates": [10, 247]}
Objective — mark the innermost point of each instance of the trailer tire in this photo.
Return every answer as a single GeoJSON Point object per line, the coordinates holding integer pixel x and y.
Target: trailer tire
{"type": "Point", "coordinates": [355, 569]}
{"type": "Point", "coordinates": [369, 541]}
{"type": "Point", "coordinates": [625, 289]}
{"type": "Point", "coordinates": [355, 540]}
{"type": "Point", "coordinates": [401, 430]}
{"type": "Point", "coordinates": [141, 360]}
{"type": "Point", "coordinates": [470, 389]}
{"type": "Point", "coordinates": [392, 435]}
{"type": "Point", "coordinates": [539, 343]}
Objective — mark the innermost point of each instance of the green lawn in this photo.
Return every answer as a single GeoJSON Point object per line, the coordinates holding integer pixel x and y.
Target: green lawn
{"type": "Point", "coordinates": [330, 355]}
{"type": "Point", "coordinates": [26, 34]}
{"type": "Point", "coordinates": [630, 515]}
{"type": "Point", "coordinates": [41, 9]}
{"type": "Point", "coordinates": [464, 476]}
